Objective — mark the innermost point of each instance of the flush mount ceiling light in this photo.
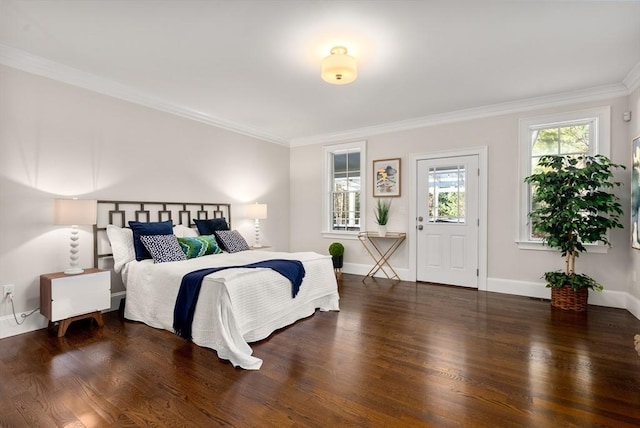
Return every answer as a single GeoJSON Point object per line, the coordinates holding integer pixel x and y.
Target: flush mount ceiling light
{"type": "Point", "coordinates": [339, 68]}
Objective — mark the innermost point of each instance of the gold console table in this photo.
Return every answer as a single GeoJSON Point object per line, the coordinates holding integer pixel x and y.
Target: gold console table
{"type": "Point", "coordinates": [380, 257]}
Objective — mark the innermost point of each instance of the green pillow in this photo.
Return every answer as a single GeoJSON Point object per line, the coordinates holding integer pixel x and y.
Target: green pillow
{"type": "Point", "coordinates": [199, 246]}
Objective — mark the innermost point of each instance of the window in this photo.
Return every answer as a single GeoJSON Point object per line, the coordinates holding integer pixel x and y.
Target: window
{"type": "Point", "coordinates": [446, 194]}
{"type": "Point", "coordinates": [578, 133]}
{"type": "Point", "coordinates": [344, 188]}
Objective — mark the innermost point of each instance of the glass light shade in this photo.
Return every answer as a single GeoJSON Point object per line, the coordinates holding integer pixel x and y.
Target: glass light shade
{"type": "Point", "coordinates": [74, 211]}
{"type": "Point", "coordinates": [339, 68]}
{"type": "Point", "coordinates": [257, 211]}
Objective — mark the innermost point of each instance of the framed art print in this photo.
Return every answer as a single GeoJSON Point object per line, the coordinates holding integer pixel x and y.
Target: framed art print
{"type": "Point", "coordinates": [386, 178]}
{"type": "Point", "coordinates": [635, 194]}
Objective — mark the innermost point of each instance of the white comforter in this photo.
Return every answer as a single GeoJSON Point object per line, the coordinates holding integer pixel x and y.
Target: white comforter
{"type": "Point", "coordinates": [235, 306]}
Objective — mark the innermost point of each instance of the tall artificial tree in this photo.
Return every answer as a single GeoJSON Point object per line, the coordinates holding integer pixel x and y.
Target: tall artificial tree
{"type": "Point", "coordinates": [573, 205]}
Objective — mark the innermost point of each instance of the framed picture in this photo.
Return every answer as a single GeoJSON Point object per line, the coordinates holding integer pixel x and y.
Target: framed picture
{"type": "Point", "coordinates": [386, 178]}
{"type": "Point", "coordinates": [635, 194]}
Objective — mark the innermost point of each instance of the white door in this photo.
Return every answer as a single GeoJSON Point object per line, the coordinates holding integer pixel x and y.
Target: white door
{"type": "Point", "coordinates": [447, 220]}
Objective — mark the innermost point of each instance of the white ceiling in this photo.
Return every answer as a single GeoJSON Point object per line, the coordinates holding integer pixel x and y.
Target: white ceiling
{"type": "Point", "coordinates": [254, 66]}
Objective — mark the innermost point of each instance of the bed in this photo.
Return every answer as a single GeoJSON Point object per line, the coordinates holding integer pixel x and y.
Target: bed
{"type": "Point", "coordinates": [236, 306]}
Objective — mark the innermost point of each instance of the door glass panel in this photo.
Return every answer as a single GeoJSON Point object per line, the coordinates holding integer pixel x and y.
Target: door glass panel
{"type": "Point", "coordinates": [446, 202]}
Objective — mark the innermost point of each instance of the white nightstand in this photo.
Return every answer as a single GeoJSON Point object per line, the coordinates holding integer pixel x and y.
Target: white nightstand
{"type": "Point", "coordinates": [67, 298]}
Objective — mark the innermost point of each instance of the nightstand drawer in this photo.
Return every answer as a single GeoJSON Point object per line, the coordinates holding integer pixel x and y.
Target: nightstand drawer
{"type": "Point", "coordinates": [66, 296]}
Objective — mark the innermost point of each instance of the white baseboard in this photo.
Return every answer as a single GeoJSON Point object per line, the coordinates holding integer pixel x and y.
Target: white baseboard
{"type": "Point", "coordinates": [633, 305]}
{"type": "Point", "coordinates": [519, 288]}
{"type": "Point", "coordinates": [8, 326]}
{"type": "Point", "coordinates": [360, 269]}
{"type": "Point", "coordinates": [608, 298]}
{"type": "Point", "coordinates": [115, 300]}
{"type": "Point", "coordinates": [613, 299]}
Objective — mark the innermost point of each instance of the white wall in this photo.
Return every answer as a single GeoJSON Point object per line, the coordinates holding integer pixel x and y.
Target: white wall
{"type": "Point", "coordinates": [634, 131]}
{"type": "Point", "coordinates": [59, 140]}
{"type": "Point", "coordinates": [509, 269]}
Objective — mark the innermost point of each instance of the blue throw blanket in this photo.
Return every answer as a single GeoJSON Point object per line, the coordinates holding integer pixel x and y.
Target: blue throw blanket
{"type": "Point", "coordinates": [190, 289]}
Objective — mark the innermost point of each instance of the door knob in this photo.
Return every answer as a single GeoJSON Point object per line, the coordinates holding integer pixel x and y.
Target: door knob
{"type": "Point", "coordinates": [420, 218]}
{"type": "Point", "coordinates": [420, 227]}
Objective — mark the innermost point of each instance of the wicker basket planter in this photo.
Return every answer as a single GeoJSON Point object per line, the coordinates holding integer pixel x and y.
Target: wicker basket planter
{"type": "Point", "coordinates": [569, 300]}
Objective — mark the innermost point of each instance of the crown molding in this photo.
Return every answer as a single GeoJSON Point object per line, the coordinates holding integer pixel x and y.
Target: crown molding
{"type": "Point", "coordinates": [574, 97]}
{"type": "Point", "coordinates": [34, 64]}
{"type": "Point", "coordinates": [632, 80]}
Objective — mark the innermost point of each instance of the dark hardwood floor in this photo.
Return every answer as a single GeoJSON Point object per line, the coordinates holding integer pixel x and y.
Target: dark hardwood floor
{"type": "Point", "coordinates": [401, 354]}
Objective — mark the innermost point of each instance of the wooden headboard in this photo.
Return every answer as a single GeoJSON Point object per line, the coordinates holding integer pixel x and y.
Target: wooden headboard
{"type": "Point", "coordinates": [119, 213]}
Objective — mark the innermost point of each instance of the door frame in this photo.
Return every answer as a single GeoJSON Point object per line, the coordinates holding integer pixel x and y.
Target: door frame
{"type": "Point", "coordinates": [482, 153]}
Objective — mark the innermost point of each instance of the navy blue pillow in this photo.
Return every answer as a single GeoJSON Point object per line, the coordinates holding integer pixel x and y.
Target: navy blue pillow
{"type": "Point", "coordinates": [152, 228]}
{"type": "Point", "coordinates": [210, 225]}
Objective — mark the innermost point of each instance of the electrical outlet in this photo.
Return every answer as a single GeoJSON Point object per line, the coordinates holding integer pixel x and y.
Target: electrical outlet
{"type": "Point", "coordinates": [7, 289]}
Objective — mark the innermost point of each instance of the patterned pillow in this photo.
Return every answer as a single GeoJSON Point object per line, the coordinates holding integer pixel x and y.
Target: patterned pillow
{"type": "Point", "coordinates": [199, 246]}
{"type": "Point", "coordinates": [163, 248]}
{"type": "Point", "coordinates": [231, 241]}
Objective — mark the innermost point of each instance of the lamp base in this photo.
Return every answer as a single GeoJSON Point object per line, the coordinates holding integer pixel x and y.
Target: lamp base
{"type": "Point", "coordinates": [73, 271]}
{"type": "Point", "coordinates": [256, 243]}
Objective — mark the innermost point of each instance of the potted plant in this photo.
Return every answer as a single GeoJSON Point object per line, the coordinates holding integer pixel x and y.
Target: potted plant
{"type": "Point", "coordinates": [382, 215]}
{"type": "Point", "coordinates": [571, 207]}
{"type": "Point", "coordinates": [336, 250]}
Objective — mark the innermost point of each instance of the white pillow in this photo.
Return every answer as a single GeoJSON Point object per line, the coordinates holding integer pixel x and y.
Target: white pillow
{"type": "Point", "coordinates": [182, 231]}
{"type": "Point", "coordinates": [121, 240]}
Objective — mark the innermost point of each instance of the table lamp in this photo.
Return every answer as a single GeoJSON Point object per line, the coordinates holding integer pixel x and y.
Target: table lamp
{"type": "Point", "coordinates": [74, 212]}
{"type": "Point", "coordinates": [257, 212]}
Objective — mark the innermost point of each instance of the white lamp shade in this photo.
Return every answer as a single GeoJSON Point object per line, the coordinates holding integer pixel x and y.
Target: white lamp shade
{"type": "Point", "coordinates": [339, 68]}
{"type": "Point", "coordinates": [74, 211]}
{"type": "Point", "coordinates": [257, 211]}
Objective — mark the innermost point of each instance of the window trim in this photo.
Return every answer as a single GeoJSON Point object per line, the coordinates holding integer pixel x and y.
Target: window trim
{"type": "Point", "coordinates": [326, 231]}
{"type": "Point", "coordinates": [601, 145]}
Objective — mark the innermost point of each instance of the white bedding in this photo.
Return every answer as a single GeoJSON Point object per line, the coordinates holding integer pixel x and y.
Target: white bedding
{"type": "Point", "coordinates": [236, 306]}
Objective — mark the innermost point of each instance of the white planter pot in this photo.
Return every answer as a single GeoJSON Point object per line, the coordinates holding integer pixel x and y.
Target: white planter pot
{"type": "Point", "coordinates": [382, 230]}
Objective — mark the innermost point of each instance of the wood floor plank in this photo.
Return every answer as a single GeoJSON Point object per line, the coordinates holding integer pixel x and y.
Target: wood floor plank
{"type": "Point", "coordinates": [397, 354]}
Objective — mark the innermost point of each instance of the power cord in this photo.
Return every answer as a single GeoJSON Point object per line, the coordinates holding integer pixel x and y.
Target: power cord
{"type": "Point", "coordinates": [13, 309]}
